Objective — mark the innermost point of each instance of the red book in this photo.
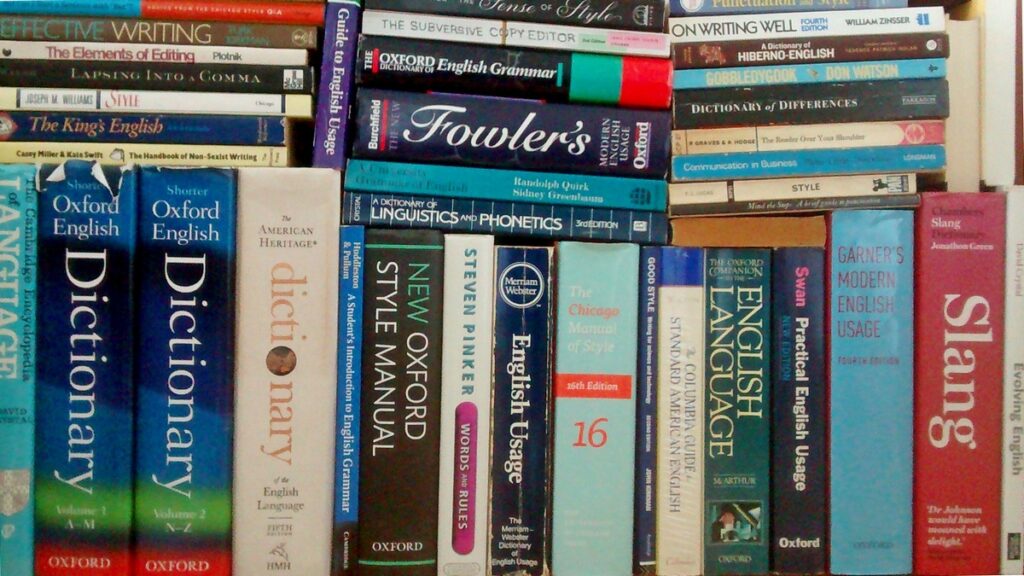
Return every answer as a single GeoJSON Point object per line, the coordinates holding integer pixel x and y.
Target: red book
{"type": "Point", "coordinates": [281, 12]}
{"type": "Point", "coordinates": [961, 250]}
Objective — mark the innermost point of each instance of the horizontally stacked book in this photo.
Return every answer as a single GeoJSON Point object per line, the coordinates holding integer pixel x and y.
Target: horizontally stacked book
{"type": "Point", "coordinates": [806, 111]}
{"type": "Point", "coordinates": [545, 123]}
{"type": "Point", "coordinates": [189, 83]}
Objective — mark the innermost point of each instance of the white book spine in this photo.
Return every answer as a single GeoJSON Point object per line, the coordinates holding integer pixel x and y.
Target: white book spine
{"type": "Point", "coordinates": [680, 469]}
{"type": "Point", "coordinates": [467, 356]}
{"type": "Point", "coordinates": [286, 371]}
{"type": "Point", "coordinates": [688, 193]}
{"type": "Point", "coordinates": [429, 27]}
{"type": "Point", "coordinates": [151, 53]}
{"type": "Point", "coordinates": [998, 92]}
{"type": "Point", "coordinates": [124, 154]}
{"type": "Point", "coordinates": [807, 24]}
{"type": "Point", "coordinates": [1013, 390]}
{"type": "Point", "coordinates": [963, 152]}
{"type": "Point", "coordinates": [155, 102]}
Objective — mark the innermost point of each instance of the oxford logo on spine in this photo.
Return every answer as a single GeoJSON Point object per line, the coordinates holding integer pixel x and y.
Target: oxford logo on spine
{"type": "Point", "coordinates": [521, 285]}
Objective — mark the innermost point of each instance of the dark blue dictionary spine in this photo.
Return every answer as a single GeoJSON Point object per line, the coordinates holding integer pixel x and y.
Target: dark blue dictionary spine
{"type": "Point", "coordinates": [341, 31]}
{"type": "Point", "coordinates": [646, 414]}
{"type": "Point", "coordinates": [185, 374]}
{"type": "Point", "coordinates": [519, 538]}
{"type": "Point", "coordinates": [142, 128]}
{"type": "Point", "coordinates": [87, 224]}
{"type": "Point", "coordinates": [508, 133]}
{"type": "Point", "coordinates": [350, 350]}
{"type": "Point", "coordinates": [548, 221]}
{"type": "Point", "coordinates": [798, 412]}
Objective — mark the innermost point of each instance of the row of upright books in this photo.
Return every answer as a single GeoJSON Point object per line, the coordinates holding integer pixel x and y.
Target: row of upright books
{"type": "Point", "coordinates": [206, 373]}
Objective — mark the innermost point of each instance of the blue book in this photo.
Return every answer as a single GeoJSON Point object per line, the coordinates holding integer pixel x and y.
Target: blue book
{"type": "Point", "coordinates": [646, 413]}
{"type": "Point", "coordinates": [350, 360]}
{"type": "Point", "coordinates": [798, 411]}
{"type": "Point", "coordinates": [506, 185]}
{"type": "Point", "coordinates": [595, 409]}
{"type": "Point", "coordinates": [515, 218]}
{"type": "Point", "coordinates": [709, 8]}
{"type": "Point", "coordinates": [809, 73]}
{"type": "Point", "coordinates": [872, 391]}
{"type": "Point", "coordinates": [520, 462]}
{"type": "Point", "coordinates": [792, 163]}
{"type": "Point", "coordinates": [18, 306]}
{"type": "Point", "coordinates": [84, 491]}
{"type": "Point", "coordinates": [109, 8]}
{"type": "Point", "coordinates": [185, 375]}
{"type": "Point", "coordinates": [143, 128]}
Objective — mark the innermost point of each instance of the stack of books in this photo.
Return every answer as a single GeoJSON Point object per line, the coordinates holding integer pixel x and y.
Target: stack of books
{"type": "Point", "coordinates": [544, 122]}
{"type": "Point", "coordinates": [805, 111]}
{"type": "Point", "coordinates": [189, 83]}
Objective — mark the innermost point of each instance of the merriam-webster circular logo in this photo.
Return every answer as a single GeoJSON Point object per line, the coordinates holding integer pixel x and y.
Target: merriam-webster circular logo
{"type": "Point", "coordinates": [521, 285]}
{"type": "Point", "coordinates": [691, 5]}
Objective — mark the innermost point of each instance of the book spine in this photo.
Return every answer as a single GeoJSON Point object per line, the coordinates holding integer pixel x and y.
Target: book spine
{"type": "Point", "coordinates": [798, 412]}
{"type": "Point", "coordinates": [582, 190]}
{"type": "Point", "coordinates": [820, 103]}
{"type": "Point", "coordinates": [808, 50]}
{"type": "Point", "coordinates": [514, 218]}
{"type": "Point", "coordinates": [83, 482]}
{"type": "Point", "coordinates": [644, 15]}
{"type": "Point", "coordinates": [552, 76]}
{"type": "Point", "coordinates": [286, 371]}
{"type": "Point", "coordinates": [958, 383]}
{"type": "Point", "coordinates": [520, 457]}
{"type": "Point", "coordinates": [349, 416]}
{"type": "Point", "coordinates": [514, 34]}
{"type": "Point", "coordinates": [1012, 517]}
{"type": "Point", "coordinates": [150, 53]}
{"type": "Point", "coordinates": [143, 129]}
{"type": "Point", "coordinates": [467, 353]}
{"type": "Point", "coordinates": [871, 287]}
{"type": "Point", "coordinates": [115, 8]}
{"type": "Point", "coordinates": [595, 408]}
{"type": "Point", "coordinates": [810, 73]}
{"type": "Point", "coordinates": [529, 135]}
{"type": "Point", "coordinates": [798, 205]}
{"type": "Point", "coordinates": [299, 13]}
{"type": "Point", "coordinates": [797, 25]}
{"type": "Point", "coordinates": [683, 8]}
{"type": "Point", "coordinates": [681, 462]}
{"type": "Point", "coordinates": [644, 521]}
{"type": "Point", "coordinates": [133, 31]}
{"type": "Point", "coordinates": [791, 163]}
{"type": "Point", "coordinates": [807, 137]}
{"type": "Point", "coordinates": [155, 102]}
{"type": "Point", "coordinates": [401, 403]}
{"type": "Point", "coordinates": [737, 509]}
{"type": "Point", "coordinates": [158, 76]}
{"type": "Point", "coordinates": [183, 457]}
{"type": "Point", "coordinates": [331, 136]}
{"type": "Point", "coordinates": [717, 192]}
{"type": "Point", "coordinates": [19, 233]}
{"type": "Point", "coordinates": [126, 154]}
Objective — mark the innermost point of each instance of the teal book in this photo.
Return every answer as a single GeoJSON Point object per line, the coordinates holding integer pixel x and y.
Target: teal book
{"type": "Point", "coordinates": [737, 423]}
{"type": "Point", "coordinates": [595, 409]}
{"type": "Point", "coordinates": [18, 238]}
{"type": "Point", "coordinates": [872, 391]}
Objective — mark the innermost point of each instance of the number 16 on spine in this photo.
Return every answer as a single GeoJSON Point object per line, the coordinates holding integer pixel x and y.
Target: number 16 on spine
{"type": "Point", "coordinates": [595, 409]}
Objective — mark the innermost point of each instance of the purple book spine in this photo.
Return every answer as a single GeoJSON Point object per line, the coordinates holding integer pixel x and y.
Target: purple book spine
{"type": "Point", "coordinates": [341, 30]}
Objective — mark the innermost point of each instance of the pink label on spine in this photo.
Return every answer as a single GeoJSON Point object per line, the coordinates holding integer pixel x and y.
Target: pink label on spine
{"type": "Point", "coordinates": [466, 432]}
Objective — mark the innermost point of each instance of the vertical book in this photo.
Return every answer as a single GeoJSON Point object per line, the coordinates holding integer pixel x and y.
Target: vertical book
{"type": "Point", "coordinates": [871, 360]}
{"type": "Point", "coordinates": [87, 231]}
{"type": "Point", "coordinates": [595, 408]}
{"type": "Point", "coordinates": [401, 403]}
{"type": "Point", "coordinates": [1013, 390]}
{"type": "Point", "coordinates": [19, 234]}
{"type": "Point", "coordinates": [286, 370]}
{"type": "Point", "coordinates": [184, 374]}
{"type": "Point", "coordinates": [644, 521]}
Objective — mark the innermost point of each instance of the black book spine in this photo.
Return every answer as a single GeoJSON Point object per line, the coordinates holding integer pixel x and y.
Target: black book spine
{"type": "Point", "coordinates": [642, 15]}
{"type": "Point", "coordinates": [810, 104]}
{"type": "Point", "coordinates": [798, 412]}
{"type": "Point", "coordinates": [253, 79]}
{"type": "Point", "coordinates": [401, 403]}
